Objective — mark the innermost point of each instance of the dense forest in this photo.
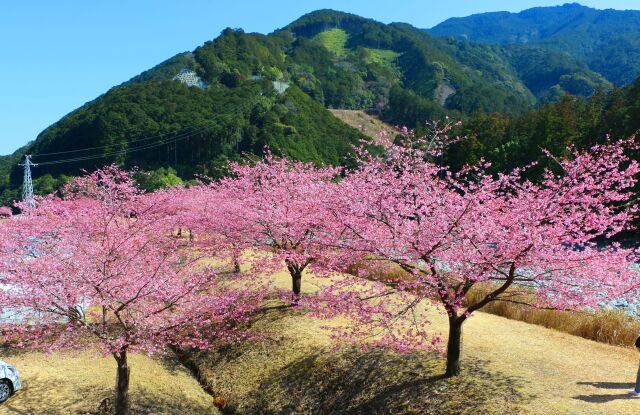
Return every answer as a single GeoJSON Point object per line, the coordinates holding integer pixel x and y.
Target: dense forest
{"type": "Point", "coordinates": [512, 141]}
{"type": "Point", "coordinates": [275, 89]}
{"type": "Point", "coordinates": [157, 124]}
{"type": "Point", "coordinates": [608, 41]}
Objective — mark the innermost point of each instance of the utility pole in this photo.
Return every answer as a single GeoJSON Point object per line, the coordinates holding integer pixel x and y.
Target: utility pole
{"type": "Point", "coordinates": [27, 184]}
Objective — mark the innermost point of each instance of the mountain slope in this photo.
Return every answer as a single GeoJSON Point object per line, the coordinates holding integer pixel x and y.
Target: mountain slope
{"type": "Point", "coordinates": [607, 40]}
{"type": "Point", "coordinates": [242, 91]}
{"type": "Point", "coordinates": [160, 123]}
{"type": "Point", "coordinates": [413, 76]}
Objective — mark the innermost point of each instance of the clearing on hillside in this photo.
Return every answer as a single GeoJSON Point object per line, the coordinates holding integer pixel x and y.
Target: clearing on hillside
{"type": "Point", "coordinates": [365, 123]}
{"type": "Point", "coordinates": [334, 40]}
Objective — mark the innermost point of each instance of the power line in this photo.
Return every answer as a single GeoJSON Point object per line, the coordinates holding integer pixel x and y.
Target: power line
{"type": "Point", "coordinates": [115, 153]}
{"type": "Point", "coordinates": [27, 188]}
{"type": "Point", "coordinates": [173, 140]}
{"type": "Point", "coordinates": [137, 140]}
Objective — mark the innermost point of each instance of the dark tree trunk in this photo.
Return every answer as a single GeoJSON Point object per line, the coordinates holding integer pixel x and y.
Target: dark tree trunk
{"type": "Point", "coordinates": [236, 266]}
{"type": "Point", "coordinates": [296, 283]}
{"type": "Point", "coordinates": [454, 347]}
{"type": "Point", "coordinates": [123, 406]}
{"type": "Point", "coordinates": [295, 271]}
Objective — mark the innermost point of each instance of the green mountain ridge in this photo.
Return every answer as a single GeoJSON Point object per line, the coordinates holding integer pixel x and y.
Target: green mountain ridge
{"type": "Point", "coordinates": [608, 41]}
{"type": "Point", "coordinates": [275, 90]}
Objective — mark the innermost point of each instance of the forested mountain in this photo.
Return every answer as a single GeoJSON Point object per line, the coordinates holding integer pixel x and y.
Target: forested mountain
{"type": "Point", "coordinates": [608, 41]}
{"type": "Point", "coordinates": [458, 75]}
{"type": "Point", "coordinates": [164, 123]}
{"type": "Point", "coordinates": [242, 91]}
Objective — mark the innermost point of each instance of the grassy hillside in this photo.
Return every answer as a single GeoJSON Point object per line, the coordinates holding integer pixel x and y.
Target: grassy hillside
{"type": "Point", "coordinates": [297, 372]}
{"type": "Point", "coordinates": [334, 40]}
{"type": "Point", "coordinates": [510, 367]}
{"type": "Point", "coordinates": [365, 123]}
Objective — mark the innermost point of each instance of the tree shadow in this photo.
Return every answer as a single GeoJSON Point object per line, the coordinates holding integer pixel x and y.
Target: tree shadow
{"type": "Point", "coordinates": [149, 402]}
{"type": "Point", "coordinates": [379, 381]}
{"type": "Point", "coordinates": [170, 361]}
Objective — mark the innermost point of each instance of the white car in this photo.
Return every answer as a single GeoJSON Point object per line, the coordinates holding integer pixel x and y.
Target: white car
{"type": "Point", "coordinates": [9, 380]}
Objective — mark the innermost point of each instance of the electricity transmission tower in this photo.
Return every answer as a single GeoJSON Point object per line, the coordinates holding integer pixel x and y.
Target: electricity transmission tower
{"type": "Point", "coordinates": [27, 185]}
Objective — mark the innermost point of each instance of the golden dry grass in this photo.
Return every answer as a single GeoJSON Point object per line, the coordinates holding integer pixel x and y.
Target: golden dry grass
{"type": "Point", "coordinates": [297, 371]}
{"type": "Point", "coordinates": [605, 326]}
{"type": "Point", "coordinates": [508, 367]}
{"type": "Point", "coordinates": [367, 124]}
{"type": "Point", "coordinates": [67, 384]}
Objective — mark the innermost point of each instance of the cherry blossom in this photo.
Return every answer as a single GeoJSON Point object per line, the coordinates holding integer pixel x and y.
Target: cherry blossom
{"type": "Point", "coordinates": [102, 267]}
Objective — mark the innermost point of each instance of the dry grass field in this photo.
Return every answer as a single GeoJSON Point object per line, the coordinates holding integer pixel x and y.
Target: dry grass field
{"type": "Point", "coordinates": [605, 326]}
{"type": "Point", "coordinates": [510, 367]}
{"type": "Point", "coordinates": [76, 383]}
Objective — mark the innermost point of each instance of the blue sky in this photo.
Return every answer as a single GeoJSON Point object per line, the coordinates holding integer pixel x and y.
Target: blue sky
{"type": "Point", "coordinates": [57, 55]}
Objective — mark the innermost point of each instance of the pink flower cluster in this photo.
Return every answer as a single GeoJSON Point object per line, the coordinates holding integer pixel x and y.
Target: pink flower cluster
{"type": "Point", "coordinates": [126, 267]}
{"type": "Point", "coordinates": [102, 266]}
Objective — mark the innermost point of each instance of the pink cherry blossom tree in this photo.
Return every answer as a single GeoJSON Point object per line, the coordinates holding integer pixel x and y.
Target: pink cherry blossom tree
{"type": "Point", "coordinates": [275, 206]}
{"type": "Point", "coordinates": [210, 224]}
{"type": "Point", "coordinates": [452, 232]}
{"type": "Point", "coordinates": [5, 212]}
{"type": "Point", "coordinates": [101, 267]}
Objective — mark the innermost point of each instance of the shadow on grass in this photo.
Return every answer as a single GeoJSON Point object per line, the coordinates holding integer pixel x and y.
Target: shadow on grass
{"type": "Point", "coordinates": [604, 398]}
{"type": "Point", "coordinates": [383, 382]}
{"type": "Point", "coordinates": [294, 376]}
{"type": "Point", "coordinates": [170, 361]}
{"type": "Point", "coordinates": [609, 385]}
{"type": "Point", "coordinates": [597, 398]}
{"type": "Point", "coordinates": [40, 397]}
{"type": "Point", "coordinates": [147, 402]}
